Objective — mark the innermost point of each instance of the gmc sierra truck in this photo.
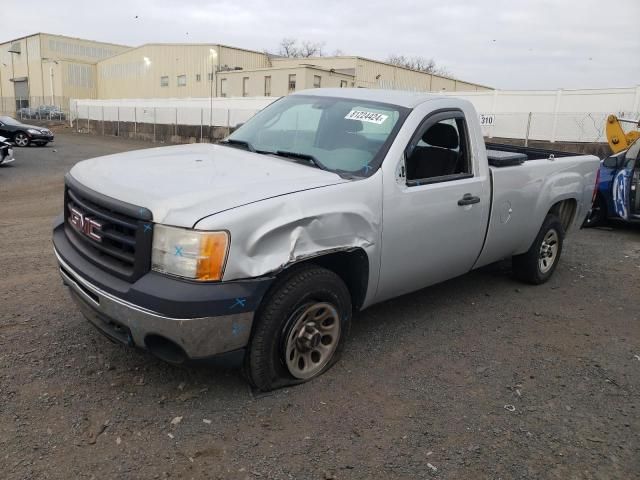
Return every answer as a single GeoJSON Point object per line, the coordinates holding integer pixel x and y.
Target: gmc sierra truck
{"type": "Point", "coordinates": [324, 203]}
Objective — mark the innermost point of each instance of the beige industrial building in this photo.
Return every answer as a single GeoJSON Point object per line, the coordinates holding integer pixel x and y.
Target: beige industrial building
{"type": "Point", "coordinates": [368, 73]}
{"type": "Point", "coordinates": [278, 81]}
{"type": "Point", "coordinates": [172, 70]}
{"type": "Point", "coordinates": [186, 70]}
{"type": "Point", "coordinates": [44, 69]}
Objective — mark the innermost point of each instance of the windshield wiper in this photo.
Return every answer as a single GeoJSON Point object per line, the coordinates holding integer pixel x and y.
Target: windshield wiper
{"type": "Point", "coordinates": [304, 156]}
{"type": "Point", "coordinates": [241, 143]}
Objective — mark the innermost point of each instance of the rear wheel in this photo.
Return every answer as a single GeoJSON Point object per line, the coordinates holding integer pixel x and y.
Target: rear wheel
{"type": "Point", "coordinates": [300, 329]}
{"type": "Point", "coordinates": [538, 264]}
{"type": "Point", "coordinates": [21, 139]}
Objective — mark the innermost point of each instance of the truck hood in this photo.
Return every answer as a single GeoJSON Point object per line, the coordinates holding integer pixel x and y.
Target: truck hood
{"type": "Point", "coordinates": [185, 183]}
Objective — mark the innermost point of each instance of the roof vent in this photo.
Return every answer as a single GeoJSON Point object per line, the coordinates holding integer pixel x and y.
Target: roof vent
{"type": "Point", "coordinates": [15, 48]}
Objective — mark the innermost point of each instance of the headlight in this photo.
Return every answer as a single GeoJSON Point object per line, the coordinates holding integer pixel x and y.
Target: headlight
{"type": "Point", "coordinates": [194, 254]}
{"type": "Point", "coordinates": [33, 131]}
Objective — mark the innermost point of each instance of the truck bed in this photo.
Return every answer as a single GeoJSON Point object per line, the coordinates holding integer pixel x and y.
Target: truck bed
{"type": "Point", "coordinates": [520, 197]}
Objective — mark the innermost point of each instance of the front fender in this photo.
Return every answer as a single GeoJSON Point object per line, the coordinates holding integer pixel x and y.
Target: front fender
{"type": "Point", "coordinates": [270, 235]}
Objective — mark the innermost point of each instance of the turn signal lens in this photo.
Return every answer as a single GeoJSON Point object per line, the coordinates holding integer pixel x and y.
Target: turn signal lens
{"type": "Point", "coordinates": [213, 253]}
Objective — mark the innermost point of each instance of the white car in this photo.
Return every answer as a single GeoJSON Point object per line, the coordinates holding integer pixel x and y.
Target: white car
{"type": "Point", "coordinates": [6, 151]}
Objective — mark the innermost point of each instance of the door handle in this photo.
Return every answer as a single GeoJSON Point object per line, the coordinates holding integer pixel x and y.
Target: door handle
{"type": "Point", "coordinates": [468, 199]}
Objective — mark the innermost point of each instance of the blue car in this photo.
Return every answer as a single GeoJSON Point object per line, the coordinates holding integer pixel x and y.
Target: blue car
{"type": "Point", "coordinates": [618, 193]}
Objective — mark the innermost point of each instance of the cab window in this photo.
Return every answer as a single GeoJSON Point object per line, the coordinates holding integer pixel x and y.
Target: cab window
{"type": "Point", "coordinates": [439, 151]}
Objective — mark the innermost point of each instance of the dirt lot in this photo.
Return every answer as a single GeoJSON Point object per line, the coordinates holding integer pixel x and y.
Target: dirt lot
{"type": "Point", "coordinates": [420, 392]}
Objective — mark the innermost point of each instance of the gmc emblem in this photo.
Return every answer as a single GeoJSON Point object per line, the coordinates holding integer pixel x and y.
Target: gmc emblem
{"type": "Point", "coordinates": [86, 225]}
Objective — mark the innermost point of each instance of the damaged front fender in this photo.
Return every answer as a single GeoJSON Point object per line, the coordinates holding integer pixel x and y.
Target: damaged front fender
{"type": "Point", "coordinates": [270, 235]}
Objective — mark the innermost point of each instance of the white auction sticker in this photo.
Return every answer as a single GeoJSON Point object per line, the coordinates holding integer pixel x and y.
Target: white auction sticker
{"type": "Point", "coordinates": [371, 117]}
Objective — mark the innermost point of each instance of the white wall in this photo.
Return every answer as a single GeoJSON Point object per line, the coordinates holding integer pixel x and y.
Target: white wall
{"type": "Point", "coordinates": [556, 115]}
{"type": "Point", "coordinates": [187, 111]}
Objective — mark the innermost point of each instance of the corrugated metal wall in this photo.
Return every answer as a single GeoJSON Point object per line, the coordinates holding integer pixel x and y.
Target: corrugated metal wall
{"type": "Point", "coordinates": [66, 48]}
{"type": "Point", "coordinates": [137, 73]}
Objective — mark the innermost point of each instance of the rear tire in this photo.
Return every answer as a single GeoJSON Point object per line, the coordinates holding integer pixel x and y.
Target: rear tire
{"type": "Point", "coordinates": [299, 330]}
{"type": "Point", "coordinates": [538, 264]}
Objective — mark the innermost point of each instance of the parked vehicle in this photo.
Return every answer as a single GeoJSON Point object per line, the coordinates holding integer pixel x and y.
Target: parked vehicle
{"type": "Point", "coordinates": [49, 112]}
{"type": "Point", "coordinates": [618, 194]}
{"type": "Point", "coordinates": [326, 202]}
{"type": "Point", "coordinates": [22, 134]}
{"type": "Point", "coordinates": [42, 112]}
{"type": "Point", "coordinates": [26, 112]}
{"type": "Point", "coordinates": [6, 151]}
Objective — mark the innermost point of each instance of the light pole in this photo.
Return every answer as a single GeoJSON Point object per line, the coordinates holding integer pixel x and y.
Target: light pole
{"type": "Point", "coordinates": [51, 80]}
{"type": "Point", "coordinates": [212, 55]}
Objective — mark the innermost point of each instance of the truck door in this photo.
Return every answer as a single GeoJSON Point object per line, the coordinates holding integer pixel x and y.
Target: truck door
{"type": "Point", "coordinates": [625, 185]}
{"type": "Point", "coordinates": [435, 214]}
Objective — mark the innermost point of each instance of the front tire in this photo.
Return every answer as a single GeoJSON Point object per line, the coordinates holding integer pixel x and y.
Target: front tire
{"type": "Point", "coordinates": [21, 139]}
{"type": "Point", "coordinates": [300, 328]}
{"type": "Point", "coordinates": [538, 264]}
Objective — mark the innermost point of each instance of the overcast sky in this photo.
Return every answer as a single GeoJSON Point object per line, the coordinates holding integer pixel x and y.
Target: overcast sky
{"type": "Point", "coordinates": [509, 44]}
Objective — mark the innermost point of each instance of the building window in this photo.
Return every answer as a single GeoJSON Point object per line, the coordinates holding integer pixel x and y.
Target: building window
{"type": "Point", "coordinates": [316, 81]}
{"type": "Point", "coordinates": [198, 77]}
{"type": "Point", "coordinates": [267, 86]}
{"type": "Point", "coordinates": [223, 87]}
{"type": "Point", "coordinates": [164, 81]}
{"type": "Point", "coordinates": [343, 84]}
{"type": "Point", "coordinates": [210, 76]}
{"type": "Point", "coordinates": [182, 80]}
{"type": "Point", "coordinates": [292, 82]}
{"type": "Point", "coordinates": [245, 86]}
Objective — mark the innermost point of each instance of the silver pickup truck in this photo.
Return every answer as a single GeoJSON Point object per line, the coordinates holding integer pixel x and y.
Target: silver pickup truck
{"type": "Point", "coordinates": [325, 203]}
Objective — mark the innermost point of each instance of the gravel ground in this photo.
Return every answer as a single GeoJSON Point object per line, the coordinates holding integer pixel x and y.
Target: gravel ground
{"type": "Point", "coordinates": [479, 377]}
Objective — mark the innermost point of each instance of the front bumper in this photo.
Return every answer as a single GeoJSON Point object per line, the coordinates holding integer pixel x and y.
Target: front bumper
{"type": "Point", "coordinates": [159, 313]}
{"type": "Point", "coordinates": [40, 137]}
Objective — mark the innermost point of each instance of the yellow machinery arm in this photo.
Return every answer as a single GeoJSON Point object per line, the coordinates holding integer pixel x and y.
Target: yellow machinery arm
{"type": "Point", "coordinates": [619, 139]}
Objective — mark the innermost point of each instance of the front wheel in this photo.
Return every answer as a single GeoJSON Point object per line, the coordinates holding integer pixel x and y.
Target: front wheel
{"type": "Point", "coordinates": [21, 139]}
{"type": "Point", "coordinates": [538, 264]}
{"type": "Point", "coordinates": [300, 328]}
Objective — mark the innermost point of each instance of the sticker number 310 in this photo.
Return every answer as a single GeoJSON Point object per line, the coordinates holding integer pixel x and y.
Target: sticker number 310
{"type": "Point", "coordinates": [487, 120]}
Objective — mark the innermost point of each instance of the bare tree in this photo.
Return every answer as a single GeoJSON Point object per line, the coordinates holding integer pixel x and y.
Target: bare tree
{"type": "Point", "coordinates": [289, 47]}
{"type": "Point", "coordinates": [420, 64]}
{"type": "Point", "coordinates": [311, 49]}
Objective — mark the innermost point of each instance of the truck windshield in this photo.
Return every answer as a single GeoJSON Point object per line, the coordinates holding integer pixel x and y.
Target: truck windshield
{"type": "Point", "coordinates": [337, 134]}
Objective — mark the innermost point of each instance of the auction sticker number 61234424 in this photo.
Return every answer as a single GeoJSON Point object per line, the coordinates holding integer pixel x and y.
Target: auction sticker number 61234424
{"type": "Point", "coordinates": [487, 120]}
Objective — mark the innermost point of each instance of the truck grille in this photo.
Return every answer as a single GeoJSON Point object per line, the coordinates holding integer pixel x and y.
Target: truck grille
{"type": "Point", "coordinates": [113, 235]}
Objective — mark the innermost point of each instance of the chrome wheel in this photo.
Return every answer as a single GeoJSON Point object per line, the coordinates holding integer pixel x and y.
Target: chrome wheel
{"type": "Point", "coordinates": [312, 340]}
{"type": "Point", "coordinates": [21, 140]}
{"type": "Point", "coordinates": [548, 251]}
